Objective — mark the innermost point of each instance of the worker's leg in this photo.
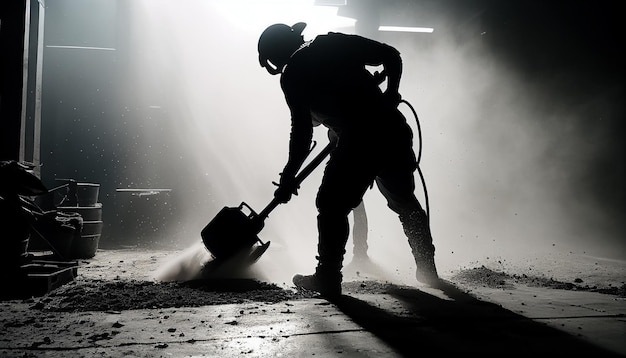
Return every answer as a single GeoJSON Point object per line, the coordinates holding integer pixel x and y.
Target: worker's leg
{"type": "Point", "coordinates": [398, 187]}
{"type": "Point", "coordinates": [359, 232]}
{"type": "Point", "coordinates": [344, 183]}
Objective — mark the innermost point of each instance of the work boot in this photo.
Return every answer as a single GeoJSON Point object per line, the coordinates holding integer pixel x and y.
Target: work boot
{"type": "Point", "coordinates": [426, 271]}
{"type": "Point", "coordinates": [324, 285]}
{"type": "Point", "coordinates": [333, 234]}
{"type": "Point", "coordinates": [417, 230]}
{"type": "Point", "coordinates": [326, 280]}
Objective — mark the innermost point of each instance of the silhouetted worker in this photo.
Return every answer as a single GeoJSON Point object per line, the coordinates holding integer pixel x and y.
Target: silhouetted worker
{"type": "Point", "coordinates": [360, 227]}
{"type": "Point", "coordinates": [325, 82]}
{"type": "Point", "coordinates": [359, 234]}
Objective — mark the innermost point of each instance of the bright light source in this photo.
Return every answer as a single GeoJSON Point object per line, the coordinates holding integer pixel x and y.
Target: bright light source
{"type": "Point", "coordinates": [330, 3]}
{"type": "Point", "coordinates": [406, 29]}
{"type": "Point", "coordinates": [81, 47]}
{"type": "Point", "coordinates": [255, 16]}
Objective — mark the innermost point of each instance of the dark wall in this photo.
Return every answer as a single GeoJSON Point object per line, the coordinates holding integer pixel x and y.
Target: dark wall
{"type": "Point", "coordinates": [573, 52]}
{"type": "Point", "coordinates": [12, 25]}
{"type": "Point", "coordinates": [97, 126]}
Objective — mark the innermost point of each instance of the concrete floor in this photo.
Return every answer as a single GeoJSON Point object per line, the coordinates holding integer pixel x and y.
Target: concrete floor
{"type": "Point", "coordinates": [398, 321]}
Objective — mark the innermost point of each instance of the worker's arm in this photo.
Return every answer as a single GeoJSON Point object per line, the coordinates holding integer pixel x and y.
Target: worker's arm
{"type": "Point", "coordinates": [376, 53]}
{"type": "Point", "coordinates": [390, 58]}
{"type": "Point", "coordinates": [299, 146]}
{"type": "Point", "coordinates": [392, 62]}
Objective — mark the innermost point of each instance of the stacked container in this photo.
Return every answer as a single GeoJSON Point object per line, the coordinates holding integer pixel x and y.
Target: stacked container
{"type": "Point", "coordinates": [88, 207]}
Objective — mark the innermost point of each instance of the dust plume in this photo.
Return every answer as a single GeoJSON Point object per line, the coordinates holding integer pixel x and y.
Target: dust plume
{"type": "Point", "coordinates": [505, 157]}
{"type": "Point", "coordinates": [185, 266]}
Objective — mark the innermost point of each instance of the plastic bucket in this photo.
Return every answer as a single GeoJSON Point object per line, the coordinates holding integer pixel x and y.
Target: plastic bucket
{"type": "Point", "coordinates": [88, 213]}
{"type": "Point", "coordinates": [87, 194]}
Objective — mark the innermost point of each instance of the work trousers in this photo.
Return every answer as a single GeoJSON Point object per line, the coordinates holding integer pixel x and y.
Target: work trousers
{"type": "Point", "coordinates": [365, 155]}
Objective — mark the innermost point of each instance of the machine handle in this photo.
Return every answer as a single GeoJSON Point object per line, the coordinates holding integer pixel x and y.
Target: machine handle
{"type": "Point", "coordinates": [252, 212]}
{"type": "Point", "coordinates": [303, 174]}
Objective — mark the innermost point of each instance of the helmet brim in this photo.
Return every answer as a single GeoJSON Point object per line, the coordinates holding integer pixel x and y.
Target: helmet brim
{"type": "Point", "coordinates": [298, 27]}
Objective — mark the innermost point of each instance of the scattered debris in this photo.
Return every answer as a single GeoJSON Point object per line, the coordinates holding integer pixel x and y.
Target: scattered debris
{"type": "Point", "coordinates": [487, 277]}
{"type": "Point", "coordinates": [115, 296]}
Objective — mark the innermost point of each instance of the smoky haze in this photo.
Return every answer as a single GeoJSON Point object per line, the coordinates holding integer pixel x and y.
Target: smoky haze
{"type": "Point", "coordinates": [511, 159]}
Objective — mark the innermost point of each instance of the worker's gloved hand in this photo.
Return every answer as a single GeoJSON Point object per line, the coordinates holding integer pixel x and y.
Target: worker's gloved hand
{"type": "Point", "coordinates": [379, 77]}
{"type": "Point", "coordinates": [287, 187]}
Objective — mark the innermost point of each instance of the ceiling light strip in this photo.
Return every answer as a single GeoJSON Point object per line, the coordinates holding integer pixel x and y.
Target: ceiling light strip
{"type": "Point", "coordinates": [82, 47]}
{"type": "Point", "coordinates": [406, 29]}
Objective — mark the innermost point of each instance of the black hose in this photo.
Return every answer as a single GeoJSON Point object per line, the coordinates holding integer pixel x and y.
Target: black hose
{"type": "Point", "coordinates": [419, 157]}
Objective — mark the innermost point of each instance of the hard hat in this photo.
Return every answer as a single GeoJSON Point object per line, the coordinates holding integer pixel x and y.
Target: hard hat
{"type": "Point", "coordinates": [277, 43]}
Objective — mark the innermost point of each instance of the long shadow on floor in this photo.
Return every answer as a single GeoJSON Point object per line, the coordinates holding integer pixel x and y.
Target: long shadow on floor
{"type": "Point", "coordinates": [462, 324]}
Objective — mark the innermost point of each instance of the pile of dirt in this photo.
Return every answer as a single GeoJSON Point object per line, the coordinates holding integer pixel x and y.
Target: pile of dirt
{"type": "Point", "coordinates": [119, 295]}
{"type": "Point", "coordinates": [486, 277]}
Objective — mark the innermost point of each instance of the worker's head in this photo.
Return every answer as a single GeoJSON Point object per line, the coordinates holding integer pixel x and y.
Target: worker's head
{"type": "Point", "coordinates": [277, 43]}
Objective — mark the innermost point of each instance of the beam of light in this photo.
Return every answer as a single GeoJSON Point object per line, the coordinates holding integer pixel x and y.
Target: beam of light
{"type": "Point", "coordinates": [406, 29]}
{"type": "Point", "coordinates": [254, 16]}
{"type": "Point", "coordinates": [223, 115]}
{"type": "Point", "coordinates": [81, 47]}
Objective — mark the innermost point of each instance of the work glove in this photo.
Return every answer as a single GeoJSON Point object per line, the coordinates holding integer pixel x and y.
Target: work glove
{"type": "Point", "coordinates": [391, 97]}
{"type": "Point", "coordinates": [287, 187]}
{"type": "Point", "coordinates": [379, 77]}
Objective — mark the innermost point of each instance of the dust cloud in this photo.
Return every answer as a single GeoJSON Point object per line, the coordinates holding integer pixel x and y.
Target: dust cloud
{"type": "Point", "coordinates": [185, 266]}
{"type": "Point", "coordinates": [501, 157]}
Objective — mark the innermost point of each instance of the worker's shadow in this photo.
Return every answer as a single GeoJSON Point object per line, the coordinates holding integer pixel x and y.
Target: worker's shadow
{"type": "Point", "coordinates": [460, 324]}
